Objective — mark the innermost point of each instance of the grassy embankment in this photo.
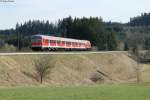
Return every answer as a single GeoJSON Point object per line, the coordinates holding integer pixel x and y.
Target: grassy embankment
{"type": "Point", "coordinates": [69, 69]}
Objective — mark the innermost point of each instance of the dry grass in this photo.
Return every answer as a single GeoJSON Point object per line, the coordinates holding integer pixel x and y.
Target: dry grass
{"type": "Point", "coordinates": [145, 72]}
{"type": "Point", "coordinates": [69, 69]}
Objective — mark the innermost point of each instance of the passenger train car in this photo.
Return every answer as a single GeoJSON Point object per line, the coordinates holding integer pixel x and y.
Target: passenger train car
{"type": "Point", "coordinates": [44, 42]}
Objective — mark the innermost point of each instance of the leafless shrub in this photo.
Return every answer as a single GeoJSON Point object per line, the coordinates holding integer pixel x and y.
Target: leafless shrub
{"type": "Point", "coordinates": [136, 44]}
{"type": "Point", "coordinates": [43, 66]}
{"type": "Point", "coordinates": [135, 41]}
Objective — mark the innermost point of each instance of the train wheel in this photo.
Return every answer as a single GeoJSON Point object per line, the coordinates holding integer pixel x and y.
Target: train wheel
{"type": "Point", "coordinates": [49, 49]}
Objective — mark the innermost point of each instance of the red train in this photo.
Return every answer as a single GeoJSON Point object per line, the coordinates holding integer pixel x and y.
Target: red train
{"type": "Point", "coordinates": [43, 42]}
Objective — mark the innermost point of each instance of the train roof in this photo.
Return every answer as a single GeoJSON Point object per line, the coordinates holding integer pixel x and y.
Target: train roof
{"type": "Point", "coordinates": [61, 38]}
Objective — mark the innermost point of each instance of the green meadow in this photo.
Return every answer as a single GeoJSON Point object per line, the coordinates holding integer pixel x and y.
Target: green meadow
{"type": "Point", "coordinates": [102, 92]}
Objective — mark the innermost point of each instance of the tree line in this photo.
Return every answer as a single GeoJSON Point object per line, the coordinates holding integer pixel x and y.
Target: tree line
{"type": "Point", "coordinates": [92, 29]}
{"type": "Point", "coordinates": [142, 20]}
{"type": "Point", "coordinates": [103, 35]}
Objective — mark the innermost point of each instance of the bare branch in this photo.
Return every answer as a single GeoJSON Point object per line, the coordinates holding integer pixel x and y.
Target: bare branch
{"type": "Point", "coordinates": [43, 66]}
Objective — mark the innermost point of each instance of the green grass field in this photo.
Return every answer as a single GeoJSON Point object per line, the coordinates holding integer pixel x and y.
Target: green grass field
{"type": "Point", "coordinates": [104, 92]}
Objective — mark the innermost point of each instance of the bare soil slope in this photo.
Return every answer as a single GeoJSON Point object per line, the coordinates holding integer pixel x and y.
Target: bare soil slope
{"type": "Point", "coordinates": [69, 69]}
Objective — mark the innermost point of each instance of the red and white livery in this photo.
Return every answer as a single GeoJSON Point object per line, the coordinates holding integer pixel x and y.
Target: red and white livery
{"type": "Point", "coordinates": [44, 42]}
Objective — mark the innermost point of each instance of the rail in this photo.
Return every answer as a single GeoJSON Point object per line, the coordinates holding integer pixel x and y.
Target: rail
{"type": "Point", "coordinates": [59, 53]}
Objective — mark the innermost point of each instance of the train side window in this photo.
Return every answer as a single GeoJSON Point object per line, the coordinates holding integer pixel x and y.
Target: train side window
{"type": "Point", "coordinates": [63, 42]}
{"type": "Point", "coordinates": [80, 44]}
{"type": "Point", "coordinates": [76, 43]}
{"type": "Point", "coordinates": [43, 40]}
{"type": "Point", "coordinates": [58, 42]}
{"type": "Point", "coordinates": [46, 41]}
{"type": "Point", "coordinates": [52, 41]}
{"type": "Point", "coordinates": [68, 43]}
{"type": "Point", "coordinates": [73, 43]}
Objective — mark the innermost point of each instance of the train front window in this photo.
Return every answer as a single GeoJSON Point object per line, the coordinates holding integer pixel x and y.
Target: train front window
{"type": "Point", "coordinates": [35, 39]}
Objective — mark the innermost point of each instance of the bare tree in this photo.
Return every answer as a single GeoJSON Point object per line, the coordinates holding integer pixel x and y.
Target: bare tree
{"type": "Point", "coordinates": [135, 42]}
{"type": "Point", "coordinates": [43, 66]}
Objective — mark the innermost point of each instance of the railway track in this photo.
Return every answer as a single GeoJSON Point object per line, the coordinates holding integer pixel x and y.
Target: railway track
{"type": "Point", "coordinates": [59, 53]}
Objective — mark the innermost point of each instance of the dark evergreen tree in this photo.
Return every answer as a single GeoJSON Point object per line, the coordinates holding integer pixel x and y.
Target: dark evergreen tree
{"type": "Point", "coordinates": [92, 29]}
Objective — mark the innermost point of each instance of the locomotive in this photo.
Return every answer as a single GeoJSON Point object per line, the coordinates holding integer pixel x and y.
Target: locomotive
{"type": "Point", "coordinates": [52, 43]}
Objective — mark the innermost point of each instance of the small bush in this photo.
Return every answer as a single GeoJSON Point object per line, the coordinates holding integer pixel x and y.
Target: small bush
{"type": "Point", "coordinates": [96, 77]}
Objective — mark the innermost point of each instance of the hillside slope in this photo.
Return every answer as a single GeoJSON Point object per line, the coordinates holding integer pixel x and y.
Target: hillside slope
{"type": "Point", "coordinates": [69, 69]}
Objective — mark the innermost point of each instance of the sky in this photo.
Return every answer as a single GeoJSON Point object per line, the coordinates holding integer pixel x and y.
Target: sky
{"type": "Point", "coordinates": [52, 10]}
